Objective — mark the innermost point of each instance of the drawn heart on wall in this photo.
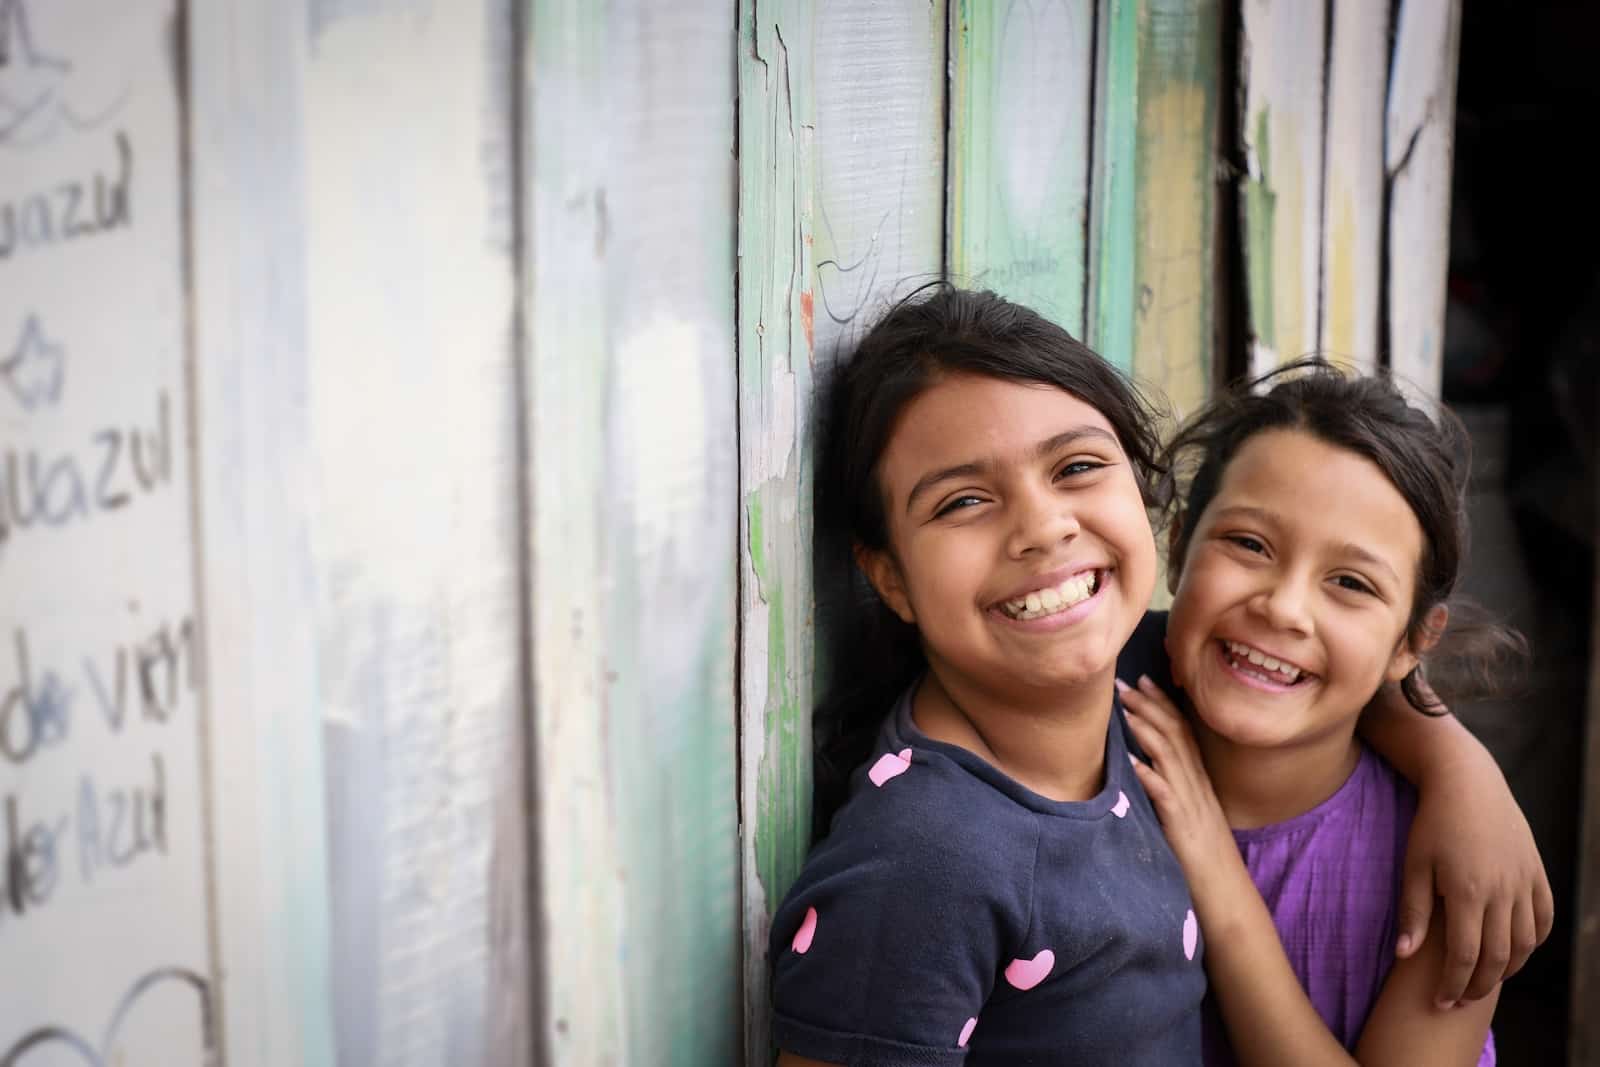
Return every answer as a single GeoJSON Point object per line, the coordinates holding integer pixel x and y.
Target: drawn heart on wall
{"type": "Point", "coordinates": [55, 1039]}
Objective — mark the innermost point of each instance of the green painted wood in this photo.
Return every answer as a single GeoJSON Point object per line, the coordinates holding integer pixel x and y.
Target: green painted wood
{"type": "Point", "coordinates": [776, 331]}
{"type": "Point", "coordinates": [1282, 78]}
{"type": "Point", "coordinates": [631, 437]}
{"type": "Point", "coordinates": [1153, 242]}
{"type": "Point", "coordinates": [1021, 76]}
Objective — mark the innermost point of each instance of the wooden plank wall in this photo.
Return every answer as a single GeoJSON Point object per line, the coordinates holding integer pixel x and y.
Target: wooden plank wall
{"type": "Point", "coordinates": [504, 483]}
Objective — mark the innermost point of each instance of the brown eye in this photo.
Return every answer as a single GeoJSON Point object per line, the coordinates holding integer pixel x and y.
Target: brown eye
{"type": "Point", "coordinates": [958, 504]}
{"type": "Point", "coordinates": [1076, 467]}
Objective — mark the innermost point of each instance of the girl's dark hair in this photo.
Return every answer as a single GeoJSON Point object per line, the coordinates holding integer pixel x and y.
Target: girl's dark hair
{"type": "Point", "coordinates": [1426, 460]}
{"type": "Point", "coordinates": [870, 656]}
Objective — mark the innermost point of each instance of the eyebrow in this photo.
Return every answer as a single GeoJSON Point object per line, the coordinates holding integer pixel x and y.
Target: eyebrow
{"type": "Point", "coordinates": [1042, 449]}
{"type": "Point", "coordinates": [1349, 548]}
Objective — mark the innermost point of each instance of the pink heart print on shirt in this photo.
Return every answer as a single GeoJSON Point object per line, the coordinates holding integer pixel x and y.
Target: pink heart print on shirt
{"type": "Point", "coordinates": [1191, 934]}
{"type": "Point", "coordinates": [807, 931]}
{"type": "Point", "coordinates": [1120, 808]}
{"type": "Point", "coordinates": [966, 1032]}
{"type": "Point", "coordinates": [1025, 974]}
{"type": "Point", "coordinates": [890, 765]}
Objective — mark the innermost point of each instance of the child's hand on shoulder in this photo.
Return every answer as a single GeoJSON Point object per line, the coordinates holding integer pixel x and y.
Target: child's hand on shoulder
{"type": "Point", "coordinates": [1176, 779]}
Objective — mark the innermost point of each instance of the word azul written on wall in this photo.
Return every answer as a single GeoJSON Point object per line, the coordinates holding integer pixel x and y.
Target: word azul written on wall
{"type": "Point", "coordinates": [104, 899]}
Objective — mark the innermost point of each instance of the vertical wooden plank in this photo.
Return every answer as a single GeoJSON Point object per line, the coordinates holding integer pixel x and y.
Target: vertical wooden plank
{"type": "Point", "coordinates": [1281, 59]}
{"type": "Point", "coordinates": [631, 434]}
{"type": "Point", "coordinates": [412, 419]}
{"type": "Point", "coordinates": [1352, 215]}
{"type": "Point", "coordinates": [1584, 1029]}
{"type": "Point", "coordinates": [879, 159]}
{"type": "Point", "coordinates": [776, 336]}
{"type": "Point", "coordinates": [1021, 76]}
{"type": "Point", "coordinates": [1152, 239]}
{"type": "Point", "coordinates": [106, 887]}
{"type": "Point", "coordinates": [254, 472]}
{"type": "Point", "coordinates": [1418, 150]}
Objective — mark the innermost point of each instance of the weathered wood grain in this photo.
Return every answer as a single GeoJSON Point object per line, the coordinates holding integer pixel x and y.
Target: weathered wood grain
{"type": "Point", "coordinates": [1353, 183]}
{"type": "Point", "coordinates": [1021, 76]}
{"type": "Point", "coordinates": [1155, 195]}
{"type": "Point", "coordinates": [1281, 71]}
{"type": "Point", "coordinates": [777, 302]}
{"type": "Point", "coordinates": [631, 434]}
{"type": "Point", "coordinates": [1418, 152]}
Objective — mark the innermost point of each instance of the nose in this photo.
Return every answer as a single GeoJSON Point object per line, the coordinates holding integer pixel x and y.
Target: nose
{"type": "Point", "coordinates": [1044, 519]}
{"type": "Point", "coordinates": [1285, 604]}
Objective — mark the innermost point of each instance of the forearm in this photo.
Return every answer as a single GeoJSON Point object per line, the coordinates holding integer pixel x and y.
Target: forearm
{"type": "Point", "coordinates": [1269, 1018]}
{"type": "Point", "coordinates": [1424, 748]}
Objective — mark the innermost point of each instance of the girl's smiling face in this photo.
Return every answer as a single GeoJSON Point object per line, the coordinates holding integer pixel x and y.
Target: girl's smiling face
{"type": "Point", "coordinates": [1019, 543]}
{"type": "Point", "coordinates": [1296, 592]}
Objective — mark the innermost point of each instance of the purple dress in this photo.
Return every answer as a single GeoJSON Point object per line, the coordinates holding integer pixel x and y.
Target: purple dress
{"type": "Point", "coordinates": [1331, 879]}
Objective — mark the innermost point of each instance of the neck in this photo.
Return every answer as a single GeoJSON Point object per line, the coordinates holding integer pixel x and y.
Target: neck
{"type": "Point", "coordinates": [1051, 741]}
{"type": "Point", "coordinates": [1261, 786]}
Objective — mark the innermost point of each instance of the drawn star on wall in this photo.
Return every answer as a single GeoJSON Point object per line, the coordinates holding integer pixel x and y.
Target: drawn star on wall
{"type": "Point", "coordinates": [35, 369]}
{"type": "Point", "coordinates": [29, 78]}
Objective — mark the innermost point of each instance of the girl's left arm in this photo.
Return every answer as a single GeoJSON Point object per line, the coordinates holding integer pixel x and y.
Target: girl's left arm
{"type": "Point", "coordinates": [1470, 845]}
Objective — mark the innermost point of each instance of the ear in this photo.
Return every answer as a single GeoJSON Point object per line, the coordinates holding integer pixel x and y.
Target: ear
{"type": "Point", "coordinates": [1413, 646]}
{"type": "Point", "coordinates": [884, 573]}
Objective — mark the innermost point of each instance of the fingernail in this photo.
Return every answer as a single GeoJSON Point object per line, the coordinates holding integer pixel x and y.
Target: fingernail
{"type": "Point", "coordinates": [1404, 946]}
{"type": "Point", "coordinates": [1133, 759]}
{"type": "Point", "coordinates": [1122, 687]}
{"type": "Point", "coordinates": [1145, 682]}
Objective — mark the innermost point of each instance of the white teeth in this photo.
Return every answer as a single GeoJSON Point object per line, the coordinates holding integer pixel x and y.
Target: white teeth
{"type": "Point", "coordinates": [1282, 670]}
{"type": "Point", "coordinates": [1048, 601]}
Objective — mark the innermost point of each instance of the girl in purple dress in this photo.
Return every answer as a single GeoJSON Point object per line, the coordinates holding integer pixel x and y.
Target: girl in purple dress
{"type": "Point", "coordinates": [1315, 547]}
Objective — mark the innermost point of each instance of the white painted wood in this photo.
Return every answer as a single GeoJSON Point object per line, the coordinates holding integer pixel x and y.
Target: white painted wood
{"type": "Point", "coordinates": [411, 415]}
{"type": "Point", "coordinates": [879, 160]}
{"type": "Point", "coordinates": [1281, 68]}
{"type": "Point", "coordinates": [105, 901]}
{"type": "Point", "coordinates": [631, 436]}
{"type": "Point", "coordinates": [254, 471]}
{"type": "Point", "coordinates": [1353, 183]}
{"type": "Point", "coordinates": [1418, 154]}
{"type": "Point", "coordinates": [357, 368]}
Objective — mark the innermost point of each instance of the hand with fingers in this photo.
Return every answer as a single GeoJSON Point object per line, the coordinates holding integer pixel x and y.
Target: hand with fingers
{"type": "Point", "coordinates": [1472, 849]}
{"type": "Point", "coordinates": [1176, 780]}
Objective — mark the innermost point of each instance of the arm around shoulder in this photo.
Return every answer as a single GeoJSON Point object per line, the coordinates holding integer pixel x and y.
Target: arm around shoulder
{"type": "Point", "coordinates": [1407, 1026]}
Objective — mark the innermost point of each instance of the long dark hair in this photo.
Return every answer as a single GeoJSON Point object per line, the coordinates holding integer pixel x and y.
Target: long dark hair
{"type": "Point", "coordinates": [1426, 459]}
{"type": "Point", "coordinates": [870, 656]}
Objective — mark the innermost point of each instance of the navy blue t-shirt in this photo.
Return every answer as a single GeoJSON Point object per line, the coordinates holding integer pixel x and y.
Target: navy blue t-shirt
{"type": "Point", "coordinates": [954, 916]}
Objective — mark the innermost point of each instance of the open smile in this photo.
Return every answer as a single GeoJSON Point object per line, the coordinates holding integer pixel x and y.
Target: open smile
{"type": "Point", "coordinates": [1260, 669]}
{"type": "Point", "coordinates": [1057, 599]}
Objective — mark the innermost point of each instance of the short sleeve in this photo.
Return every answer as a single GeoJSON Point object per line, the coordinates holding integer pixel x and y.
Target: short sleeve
{"type": "Point", "coordinates": [888, 946]}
